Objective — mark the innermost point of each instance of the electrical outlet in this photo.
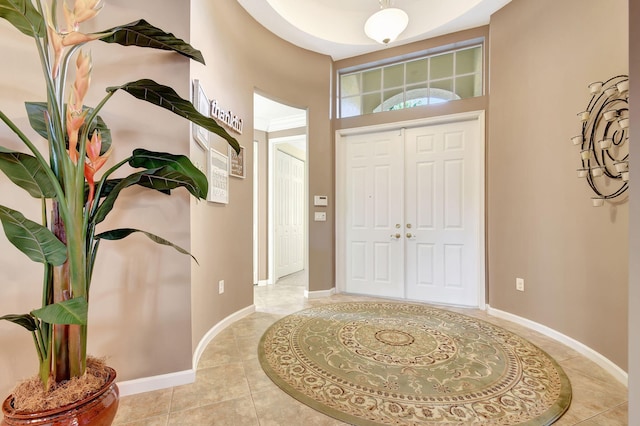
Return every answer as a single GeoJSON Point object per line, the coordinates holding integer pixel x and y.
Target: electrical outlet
{"type": "Point", "coordinates": [520, 284]}
{"type": "Point", "coordinates": [220, 286]}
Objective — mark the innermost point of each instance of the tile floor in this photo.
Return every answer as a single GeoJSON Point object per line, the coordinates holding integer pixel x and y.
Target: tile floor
{"type": "Point", "coordinates": [231, 389]}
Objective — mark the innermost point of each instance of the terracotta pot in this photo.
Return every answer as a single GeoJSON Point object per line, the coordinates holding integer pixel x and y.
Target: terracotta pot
{"type": "Point", "coordinates": [98, 409]}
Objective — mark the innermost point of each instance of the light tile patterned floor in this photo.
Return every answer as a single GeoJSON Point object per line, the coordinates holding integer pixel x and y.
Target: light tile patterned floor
{"type": "Point", "coordinates": [231, 388]}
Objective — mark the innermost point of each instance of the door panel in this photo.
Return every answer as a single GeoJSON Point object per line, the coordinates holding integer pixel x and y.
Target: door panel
{"type": "Point", "coordinates": [373, 179]}
{"type": "Point", "coordinates": [442, 210]}
{"type": "Point", "coordinates": [289, 214]}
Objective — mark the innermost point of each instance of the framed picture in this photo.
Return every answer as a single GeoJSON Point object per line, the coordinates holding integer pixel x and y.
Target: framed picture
{"type": "Point", "coordinates": [201, 104]}
{"type": "Point", "coordinates": [236, 163]}
{"type": "Point", "coordinates": [218, 177]}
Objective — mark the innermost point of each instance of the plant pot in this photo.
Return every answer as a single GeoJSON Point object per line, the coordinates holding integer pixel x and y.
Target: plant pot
{"type": "Point", "coordinates": [98, 409]}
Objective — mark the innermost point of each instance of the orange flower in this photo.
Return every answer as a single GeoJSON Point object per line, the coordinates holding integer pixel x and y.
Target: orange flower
{"type": "Point", "coordinates": [75, 114]}
{"type": "Point", "coordinates": [94, 162]}
{"type": "Point", "coordinates": [59, 39]}
{"type": "Point", "coordinates": [83, 10]}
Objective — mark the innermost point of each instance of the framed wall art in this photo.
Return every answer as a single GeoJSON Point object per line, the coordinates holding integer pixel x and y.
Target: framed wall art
{"type": "Point", "coordinates": [236, 163]}
{"type": "Point", "coordinates": [201, 103]}
{"type": "Point", "coordinates": [218, 177]}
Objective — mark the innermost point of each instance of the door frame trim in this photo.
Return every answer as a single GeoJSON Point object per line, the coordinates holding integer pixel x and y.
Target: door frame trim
{"type": "Point", "coordinates": [340, 203]}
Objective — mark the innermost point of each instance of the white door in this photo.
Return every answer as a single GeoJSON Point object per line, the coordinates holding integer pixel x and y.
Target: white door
{"type": "Point", "coordinates": [412, 213]}
{"type": "Point", "coordinates": [374, 247]}
{"type": "Point", "coordinates": [442, 213]}
{"type": "Point", "coordinates": [289, 214]}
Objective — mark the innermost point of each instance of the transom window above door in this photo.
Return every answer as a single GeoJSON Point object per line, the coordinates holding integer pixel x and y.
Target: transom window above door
{"type": "Point", "coordinates": [420, 81]}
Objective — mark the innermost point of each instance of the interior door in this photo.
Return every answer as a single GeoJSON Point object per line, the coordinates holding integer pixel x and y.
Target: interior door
{"type": "Point", "coordinates": [442, 213]}
{"type": "Point", "coordinates": [289, 214]}
{"type": "Point", "coordinates": [373, 217]}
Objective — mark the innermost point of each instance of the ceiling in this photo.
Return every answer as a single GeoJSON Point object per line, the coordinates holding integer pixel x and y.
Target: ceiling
{"type": "Point", "coordinates": [336, 28]}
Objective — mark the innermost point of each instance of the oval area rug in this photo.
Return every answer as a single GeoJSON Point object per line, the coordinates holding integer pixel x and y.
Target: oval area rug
{"type": "Point", "coordinates": [387, 363]}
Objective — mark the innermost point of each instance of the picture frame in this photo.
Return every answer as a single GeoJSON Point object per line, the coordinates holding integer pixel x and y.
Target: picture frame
{"type": "Point", "coordinates": [201, 104]}
{"type": "Point", "coordinates": [236, 163]}
{"type": "Point", "coordinates": [218, 177]}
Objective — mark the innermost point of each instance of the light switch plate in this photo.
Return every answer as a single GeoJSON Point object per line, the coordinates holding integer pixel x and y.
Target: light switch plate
{"type": "Point", "coordinates": [320, 216]}
{"type": "Point", "coordinates": [320, 200]}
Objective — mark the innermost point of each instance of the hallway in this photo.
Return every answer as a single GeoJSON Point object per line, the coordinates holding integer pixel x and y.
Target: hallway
{"type": "Point", "coordinates": [231, 388]}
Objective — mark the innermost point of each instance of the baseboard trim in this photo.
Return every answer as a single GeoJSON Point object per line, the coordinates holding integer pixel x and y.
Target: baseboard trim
{"type": "Point", "coordinates": [216, 329]}
{"type": "Point", "coordinates": [610, 367]}
{"type": "Point", "coordinates": [148, 384]}
{"type": "Point", "coordinates": [319, 294]}
{"type": "Point", "coordinates": [263, 282]}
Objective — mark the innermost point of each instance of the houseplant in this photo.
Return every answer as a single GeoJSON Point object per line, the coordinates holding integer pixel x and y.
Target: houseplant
{"type": "Point", "coordinates": [79, 146]}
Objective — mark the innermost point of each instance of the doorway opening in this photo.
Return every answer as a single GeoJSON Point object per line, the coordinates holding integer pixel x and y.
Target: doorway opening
{"type": "Point", "coordinates": [280, 191]}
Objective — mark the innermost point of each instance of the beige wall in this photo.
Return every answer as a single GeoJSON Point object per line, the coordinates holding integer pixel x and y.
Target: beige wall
{"type": "Point", "coordinates": [243, 57]}
{"type": "Point", "coordinates": [541, 225]}
{"type": "Point", "coordinates": [140, 303]}
{"type": "Point", "coordinates": [634, 223]}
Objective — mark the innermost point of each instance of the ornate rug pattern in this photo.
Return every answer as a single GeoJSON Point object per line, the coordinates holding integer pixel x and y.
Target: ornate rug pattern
{"type": "Point", "coordinates": [385, 363]}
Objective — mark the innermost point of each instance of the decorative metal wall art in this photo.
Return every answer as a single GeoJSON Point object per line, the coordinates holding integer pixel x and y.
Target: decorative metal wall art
{"type": "Point", "coordinates": [604, 141]}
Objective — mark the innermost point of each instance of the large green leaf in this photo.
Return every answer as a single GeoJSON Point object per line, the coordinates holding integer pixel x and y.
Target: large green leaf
{"type": "Point", "coordinates": [27, 172]}
{"type": "Point", "coordinates": [36, 112]}
{"type": "Point", "coordinates": [31, 238]}
{"type": "Point", "coordinates": [143, 34]}
{"type": "Point", "coordinates": [179, 163]}
{"type": "Point", "coordinates": [110, 184]}
{"type": "Point", "coordinates": [118, 234]}
{"type": "Point", "coordinates": [166, 178]}
{"type": "Point", "coordinates": [24, 16]}
{"type": "Point", "coordinates": [25, 320]}
{"type": "Point", "coordinates": [162, 179]}
{"type": "Point", "coordinates": [167, 98]}
{"type": "Point", "coordinates": [72, 311]}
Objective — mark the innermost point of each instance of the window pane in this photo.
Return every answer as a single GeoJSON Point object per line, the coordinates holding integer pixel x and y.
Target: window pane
{"type": "Point", "coordinates": [370, 102]}
{"type": "Point", "coordinates": [416, 95]}
{"type": "Point", "coordinates": [393, 99]}
{"type": "Point", "coordinates": [441, 66]}
{"type": "Point", "coordinates": [350, 85]}
{"type": "Point", "coordinates": [469, 61]}
{"type": "Point", "coordinates": [417, 71]}
{"type": "Point", "coordinates": [466, 86]}
{"type": "Point", "coordinates": [372, 80]}
{"type": "Point", "coordinates": [350, 107]}
{"type": "Point", "coordinates": [394, 76]}
{"type": "Point", "coordinates": [441, 91]}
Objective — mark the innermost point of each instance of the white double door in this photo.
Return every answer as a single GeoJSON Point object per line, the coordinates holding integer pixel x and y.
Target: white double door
{"type": "Point", "coordinates": [412, 213]}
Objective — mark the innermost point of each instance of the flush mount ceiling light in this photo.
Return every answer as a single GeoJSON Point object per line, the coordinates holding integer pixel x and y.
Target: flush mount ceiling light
{"type": "Point", "coordinates": [385, 25]}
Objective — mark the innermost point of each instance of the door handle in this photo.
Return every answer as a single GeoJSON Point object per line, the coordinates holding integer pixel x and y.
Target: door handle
{"type": "Point", "coordinates": [410, 235]}
{"type": "Point", "coordinates": [396, 236]}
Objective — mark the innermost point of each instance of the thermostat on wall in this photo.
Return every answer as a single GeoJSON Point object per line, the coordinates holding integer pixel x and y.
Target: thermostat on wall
{"type": "Point", "coordinates": [319, 200]}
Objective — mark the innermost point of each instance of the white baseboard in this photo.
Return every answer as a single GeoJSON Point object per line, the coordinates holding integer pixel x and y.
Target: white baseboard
{"type": "Point", "coordinates": [610, 367]}
{"type": "Point", "coordinates": [263, 282]}
{"type": "Point", "coordinates": [319, 294]}
{"type": "Point", "coordinates": [216, 329]}
{"type": "Point", "coordinates": [148, 384]}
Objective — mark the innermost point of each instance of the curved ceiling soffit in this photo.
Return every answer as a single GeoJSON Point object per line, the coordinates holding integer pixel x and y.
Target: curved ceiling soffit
{"type": "Point", "coordinates": [305, 23]}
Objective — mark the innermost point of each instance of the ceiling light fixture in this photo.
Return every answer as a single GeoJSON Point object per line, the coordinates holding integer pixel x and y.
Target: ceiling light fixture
{"type": "Point", "coordinates": [387, 24]}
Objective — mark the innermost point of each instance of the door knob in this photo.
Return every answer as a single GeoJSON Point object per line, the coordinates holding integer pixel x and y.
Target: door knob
{"type": "Point", "coordinates": [409, 235]}
{"type": "Point", "coordinates": [408, 226]}
{"type": "Point", "coordinates": [396, 236]}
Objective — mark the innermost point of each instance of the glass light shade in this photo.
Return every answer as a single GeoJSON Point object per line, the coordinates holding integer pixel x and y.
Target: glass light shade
{"type": "Point", "coordinates": [385, 25]}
